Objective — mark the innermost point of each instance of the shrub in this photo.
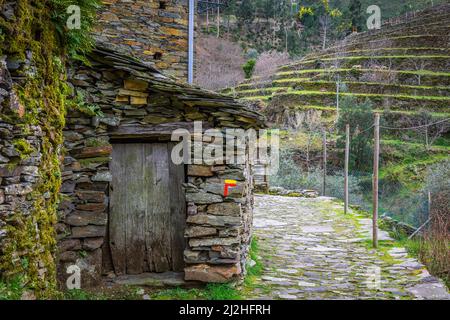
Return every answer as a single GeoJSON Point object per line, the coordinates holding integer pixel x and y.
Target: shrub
{"type": "Point", "coordinates": [79, 103]}
{"type": "Point", "coordinates": [252, 54]}
{"type": "Point", "coordinates": [290, 175]}
{"type": "Point", "coordinates": [219, 63]}
{"type": "Point", "coordinates": [360, 116]}
{"type": "Point", "coordinates": [268, 62]}
{"type": "Point", "coordinates": [249, 68]}
{"type": "Point", "coordinates": [434, 250]}
{"type": "Point", "coordinates": [77, 41]}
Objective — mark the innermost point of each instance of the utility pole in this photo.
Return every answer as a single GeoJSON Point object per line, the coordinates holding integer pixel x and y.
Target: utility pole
{"type": "Point", "coordinates": [207, 21]}
{"type": "Point", "coordinates": [191, 44]}
{"type": "Point", "coordinates": [429, 203]}
{"type": "Point", "coordinates": [218, 18]}
{"type": "Point", "coordinates": [347, 157]}
{"type": "Point", "coordinates": [286, 33]}
{"type": "Point", "coordinates": [338, 89]}
{"type": "Point", "coordinates": [324, 162]}
{"type": "Point", "coordinates": [376, 160]}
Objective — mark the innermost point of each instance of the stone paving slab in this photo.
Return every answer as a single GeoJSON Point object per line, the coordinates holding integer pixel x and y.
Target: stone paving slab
{"type": "Point", "coordinates": [311, 250]}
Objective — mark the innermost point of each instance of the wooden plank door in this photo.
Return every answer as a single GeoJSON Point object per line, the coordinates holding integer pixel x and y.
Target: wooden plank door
{"type": "Point", "coordinates": [147, 209]}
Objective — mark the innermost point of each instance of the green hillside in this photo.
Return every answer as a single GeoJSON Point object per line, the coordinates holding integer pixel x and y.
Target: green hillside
{"type": "Point", "coordinates": [402, 68]}
{"type": "Point", "coordinates": [401, 71]}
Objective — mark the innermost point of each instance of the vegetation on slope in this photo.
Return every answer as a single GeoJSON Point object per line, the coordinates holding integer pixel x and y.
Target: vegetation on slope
{"type": "Point", "coordinates": [300, 27]}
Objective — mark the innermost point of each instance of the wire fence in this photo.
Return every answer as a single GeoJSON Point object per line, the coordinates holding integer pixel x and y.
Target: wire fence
{"type": "Point", "coordinates": [405, 165]}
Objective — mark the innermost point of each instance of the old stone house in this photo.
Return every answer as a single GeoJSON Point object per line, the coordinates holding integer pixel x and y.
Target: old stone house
{"type": "Point", "coordinates": [124, 208]}
{"type": "Point", "coordinates": [151, 30]}
{"type": "Point", "coordinates": [127, 208]}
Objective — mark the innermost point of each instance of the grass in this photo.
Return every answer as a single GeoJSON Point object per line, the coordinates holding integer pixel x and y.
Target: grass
{"type": "Point", "coordinates": [357, 58]}
{"type": "Point", "coordinates": [425, 250]}
{"type": "Point", "coordinates": [115, 293]}
{"type": "Point", "coordinates": [410, 72]}
{"type": "Point", "coordinates": [255, 270]}
{"type": "Point", "coordinates": [383, 49]}
{"type": "Point", "coordinates": [409, 171]}
{"type": "Point", "coordinates": [210, 292]}
{"type": "Point", "coordinates": [383, 250]}
{"type": "Point", "coordinates": [352, 58]}
{"type": "Point", "coordinates": [373, 95]}
{"type": "Point", "coordinates": [219, 291]}
{"type": "Point", "coordinates": [282, 89]}
{"type": "Point", "coordinates": [368, 95]}
{"type": "Point", "coordinates": [308, 81]}
{"type": "Point", "coordinates": [381, 111]}
{"type": "Point", "coordinates": [12, 290]}
{"type": "Point", "coordinates": [78, 294]}
{"type": "Point", "coordinates": [435, 148]}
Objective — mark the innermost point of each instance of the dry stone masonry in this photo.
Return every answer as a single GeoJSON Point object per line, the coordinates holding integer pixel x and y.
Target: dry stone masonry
{"type": "Point", "coordinates": [115, 98]}
{"type": "Point", "coordinates": [152, 30]}
{"type": "Point", "coordinates": [137, 102]}
{"type": "Point", "coordinates": [20, 162]}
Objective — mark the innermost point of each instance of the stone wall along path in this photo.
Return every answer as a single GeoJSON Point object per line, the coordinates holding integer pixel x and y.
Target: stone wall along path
{"type": "Point", "coordinates": [311, 250]}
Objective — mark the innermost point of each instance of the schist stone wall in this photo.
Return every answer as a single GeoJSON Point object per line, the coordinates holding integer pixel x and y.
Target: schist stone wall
{"type": "Point", "coordinates": [151, 30]}
{"type": "Point", "coordinates": [218, 228]}
{"type": "Point", "coordinates": [21, 228]}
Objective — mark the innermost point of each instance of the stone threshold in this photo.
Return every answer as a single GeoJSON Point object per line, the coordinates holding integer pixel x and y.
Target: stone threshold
{"type": "Point", "coordinates": [154, 280]}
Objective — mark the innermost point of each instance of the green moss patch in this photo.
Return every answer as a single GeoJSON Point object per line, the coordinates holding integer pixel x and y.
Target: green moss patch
{"type": "Point", "coordinates": [31, 240]}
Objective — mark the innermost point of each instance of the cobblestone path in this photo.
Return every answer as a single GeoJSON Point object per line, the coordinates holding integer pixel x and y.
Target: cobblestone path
{"type": "Point", "coordinates": [311, 250]}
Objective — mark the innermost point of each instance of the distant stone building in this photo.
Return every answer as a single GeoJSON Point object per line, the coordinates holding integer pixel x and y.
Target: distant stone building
{"type": "Point", "coordinates": [152, 30]}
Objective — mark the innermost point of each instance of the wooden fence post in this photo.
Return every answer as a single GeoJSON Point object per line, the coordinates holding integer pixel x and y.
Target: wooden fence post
{"type": "Point", "coordinates": [376, 160]}
{"type": "Point", "coordinates": [324, 187]}
{"type": "Point", "coordinates": [347, 158]}
{"type": "Point", "coordinates": [429, 203]}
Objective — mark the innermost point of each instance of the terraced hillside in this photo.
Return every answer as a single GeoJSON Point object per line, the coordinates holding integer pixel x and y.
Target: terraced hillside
{"type": "Point", "coordinates": [403, 68]}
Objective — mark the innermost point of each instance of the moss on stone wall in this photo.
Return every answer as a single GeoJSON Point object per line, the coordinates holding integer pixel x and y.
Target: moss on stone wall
{"type": "Point", "coordinates": [30, 244]}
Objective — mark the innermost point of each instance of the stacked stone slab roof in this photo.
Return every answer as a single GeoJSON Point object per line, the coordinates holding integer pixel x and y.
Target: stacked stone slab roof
{"type": "Point", "coordinates": [212, 103]}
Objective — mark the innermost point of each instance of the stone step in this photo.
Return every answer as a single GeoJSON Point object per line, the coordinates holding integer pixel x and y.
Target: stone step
{"type": "Point", "coordinates": [154, 280]}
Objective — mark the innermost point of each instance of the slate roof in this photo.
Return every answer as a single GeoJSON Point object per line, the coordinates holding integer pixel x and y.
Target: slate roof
{"type": "Point", "coordinates": [188, 94]}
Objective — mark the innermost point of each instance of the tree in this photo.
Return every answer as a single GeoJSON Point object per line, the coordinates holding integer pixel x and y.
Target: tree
{"type": "Point", "coordinates": [360, 117]}
{"type": "Point", "coordinates": [228, 11]}
{"type": "Point", "coordinates": [246, 12]}
{"type": "Point", "coordinates": [248, 68]}
{"type": "Point", "coordinates": [319, 14]}
{"type": "Point", "coordinates": [420, 65]}
{"type": "Point", "coordinates": [357, 19]}
{"type": "Point", "coordinates": [312, 128]}
{"type": "Point", "coordinates": [423, 125]}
